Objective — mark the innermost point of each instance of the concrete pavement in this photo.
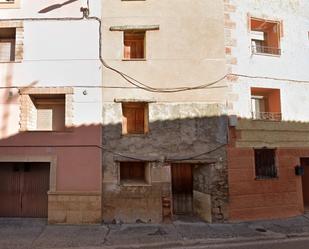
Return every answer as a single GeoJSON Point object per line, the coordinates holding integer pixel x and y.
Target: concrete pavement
{"type": "Point", "coordinates": [35, 233]}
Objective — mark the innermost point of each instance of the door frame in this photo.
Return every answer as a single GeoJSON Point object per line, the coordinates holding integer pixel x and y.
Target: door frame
{"type": "Point", "coordinates": [302, 177]}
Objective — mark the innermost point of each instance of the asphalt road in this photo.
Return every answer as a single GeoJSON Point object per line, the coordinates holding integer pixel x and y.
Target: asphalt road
{"type": "Point", "coordinates": [295, 243]}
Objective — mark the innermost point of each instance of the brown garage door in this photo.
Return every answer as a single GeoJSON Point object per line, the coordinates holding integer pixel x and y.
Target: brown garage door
{"type": "Point", "coordinates": [23, 189]}
{"type": "Point", "coordinates": [182, 188]}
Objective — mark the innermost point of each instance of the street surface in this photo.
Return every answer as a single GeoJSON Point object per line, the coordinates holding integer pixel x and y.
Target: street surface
{"type": "Point", "coordinates": [269, 234]}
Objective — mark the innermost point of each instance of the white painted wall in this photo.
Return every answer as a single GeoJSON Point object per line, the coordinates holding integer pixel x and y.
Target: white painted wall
{"type": "Point", "coordinates": [57, 53]}
{"type": "Point", "coordinates": [292, 64]}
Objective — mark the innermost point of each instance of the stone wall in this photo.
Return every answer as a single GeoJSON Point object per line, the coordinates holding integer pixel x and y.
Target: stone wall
{"type": "Point", "coordinates": [177, 131]}
{"type": "Point", "coordinates": [74, 208]}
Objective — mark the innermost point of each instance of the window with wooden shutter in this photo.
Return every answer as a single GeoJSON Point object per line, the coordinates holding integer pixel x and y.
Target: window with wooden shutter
{"type": "Point", "coordinates": [50, 112]}
{"type": "Point", "coordinates": [7, 44]}
{"type": "Point", "coordinates": [135, 118]}
{"type": "Point", "coordinates": [134, 45]}
{"type": "Point", "coordinates": [134, 173]}
{"type": "Point", "coordinates": [265, 163]}
{"type": "Point", "coordinates": [7, 1]}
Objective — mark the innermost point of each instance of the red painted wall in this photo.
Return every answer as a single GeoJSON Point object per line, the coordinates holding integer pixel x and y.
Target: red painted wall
{"type": "Point", "coordinates": [78, 163]}
{"type": "Point", "coordinates": [252, 199]}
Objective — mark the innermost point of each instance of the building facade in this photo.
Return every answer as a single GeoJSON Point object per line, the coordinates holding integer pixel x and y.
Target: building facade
{"type": "Point", "coordinates": [142, 111]}
{"type": "Point", "coordinates": [267, 53]}
{"type": "Point", "coordinates": [164, 146]}
{"type": "Point", "coordinates": [50, 146]}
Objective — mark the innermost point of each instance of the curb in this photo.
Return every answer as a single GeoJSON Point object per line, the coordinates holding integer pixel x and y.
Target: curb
{"type": "Point", "coordinates": [200, 242]}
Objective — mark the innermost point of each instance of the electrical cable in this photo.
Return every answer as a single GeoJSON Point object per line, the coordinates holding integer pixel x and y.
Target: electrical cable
{"type": "Point", "coordinates": [136, 83]}
{"type": "Point", "coordinates": [113, 152]}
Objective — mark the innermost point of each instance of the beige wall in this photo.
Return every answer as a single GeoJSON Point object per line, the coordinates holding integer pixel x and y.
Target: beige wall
{"type": "Point", "coordinates": [187, 50]}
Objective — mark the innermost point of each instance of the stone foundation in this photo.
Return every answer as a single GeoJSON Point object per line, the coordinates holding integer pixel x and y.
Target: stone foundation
{"type": "Point", "coordinates": [74, 208]}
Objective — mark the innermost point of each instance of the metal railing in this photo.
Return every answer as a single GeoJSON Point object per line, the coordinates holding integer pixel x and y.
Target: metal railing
{"type": "Point", "coordinates": [257, 49]}
{"type": "Point", "coordinates": [271, 116]}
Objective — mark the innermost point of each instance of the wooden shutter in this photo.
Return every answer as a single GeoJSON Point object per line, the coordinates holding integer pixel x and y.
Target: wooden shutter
{"type": "Point", "coordinates": [134, 45]}
{"type": "Point", "coordinates": [132, 171]}
{"type": "Point", "coordinates": [45, 119]}
{"type": "Point", "coordinates": [134, 118]}
{"type": "Point", "coordinates": [7, 50]}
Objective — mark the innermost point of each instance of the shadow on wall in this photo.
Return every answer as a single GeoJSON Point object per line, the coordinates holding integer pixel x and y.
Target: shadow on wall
{"type": "Point", "coordinates": [9, 97]}
{"type": "Point", "coordinates": [198, 142]}
{"type": "Point", "coordinates": [56, 6]}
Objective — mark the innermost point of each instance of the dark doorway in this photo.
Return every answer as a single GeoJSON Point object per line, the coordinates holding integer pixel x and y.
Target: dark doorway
{"type": "Point", "coordinates": [305, 182]}
{"type": "Point", "coordinates": [23, 189]}
{"type": "Point", "coordinates": [182, 189]}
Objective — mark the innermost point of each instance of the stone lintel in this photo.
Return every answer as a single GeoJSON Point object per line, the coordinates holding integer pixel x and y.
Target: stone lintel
{"type": "Point", "coordinates": [134, 27]}
{"type": "Point", "coordinates": [120, 100]}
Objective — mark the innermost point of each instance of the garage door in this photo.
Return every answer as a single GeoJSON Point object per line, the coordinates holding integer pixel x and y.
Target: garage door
{"type": "Point", "coordinates": [23, 189]}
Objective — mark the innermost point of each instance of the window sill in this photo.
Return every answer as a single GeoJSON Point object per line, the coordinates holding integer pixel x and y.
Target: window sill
{"type": "Point", "coordinates": [9, 62]}
{"type": "Point", "coordinates": [266, 178]}
{"type": "Point", "coordinates": [142, 59]}
{"type": "Point", "coordinates": [135, 184]}
{"type": "Point", "coordinates": [58, 131]}
{"type": "Point", "coordinates": [135, 135]}
{"type": "Point", "coordinates": [266, 120]}
{"type": "Point", "coordinates": [266, 54]}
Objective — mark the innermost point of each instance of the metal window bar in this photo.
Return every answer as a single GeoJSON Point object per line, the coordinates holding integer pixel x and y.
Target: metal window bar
{"type": "Point", "coordinates": [265, 166]}
{"type": "Point", "coordinates": [258, 49]}
{"type": "Point", "coordinates": [271, 116]}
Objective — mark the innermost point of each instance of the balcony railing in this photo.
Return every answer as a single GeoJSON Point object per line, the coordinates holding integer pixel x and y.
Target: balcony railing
{"type": "Point", "coordinates": [271, 116]}
{"type": "Point", "coordinates": [257, 49]}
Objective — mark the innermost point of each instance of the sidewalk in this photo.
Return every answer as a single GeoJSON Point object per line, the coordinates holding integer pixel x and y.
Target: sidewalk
{"type": "Point", "coordinates": [34, 233]}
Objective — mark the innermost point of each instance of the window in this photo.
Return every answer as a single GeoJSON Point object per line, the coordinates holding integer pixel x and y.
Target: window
{"type": "Point", "coordinates": [265, 36]}
{"type": "Point", "coordinates": [134, 45]}
{"type": "Point", "coordinates": [44, 112]}
{"type": "Point", "coordinates": [7, 1]}
{"type": "Point", "coordinates": [7, 44]}
{"type": "Point", "coordinates": [266, 104]}
{"type": "Point", "coordinates": [134, 173]}
{"type": "Point", "coordinates": [135, 118]}
{"type": "Point", "coordinates": [9, 4]}
{"type": "Point", "coordinates": [50, 112]}
{"type": "Point", "coordinates": [265, 163]}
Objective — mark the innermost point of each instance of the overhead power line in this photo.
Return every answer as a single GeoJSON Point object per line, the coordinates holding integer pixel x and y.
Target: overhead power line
{"type": "Point", "coordinates": [131, 80]}
{"type": "Point", "coordinates": [196, 156]}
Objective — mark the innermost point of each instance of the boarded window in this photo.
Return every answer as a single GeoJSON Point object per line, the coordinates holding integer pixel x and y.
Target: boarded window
{"type": "Point", "coordinates": [265, 163]}
{"type": "Point", "coordinates": [135, 118]}
{"type": "Point", "coordinates": [134, 45]}
{"type": "Point", "coordinates": [7, 44]}
{"type": "Point", "coordinates": [50, 112]}
{"type": "Point", "coordinates": [133, 172]}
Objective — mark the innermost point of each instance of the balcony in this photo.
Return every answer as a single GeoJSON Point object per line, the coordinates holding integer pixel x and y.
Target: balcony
{"type": "Point", "coordinates": [257, 49]}
{"type": "Point", "coordinates": [266, 104]}
{"type": "Point", "coordinates": [269, 116]}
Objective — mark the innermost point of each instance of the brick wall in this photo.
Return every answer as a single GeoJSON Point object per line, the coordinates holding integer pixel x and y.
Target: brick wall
{"type": "Point", "coordinates": [252, 199]}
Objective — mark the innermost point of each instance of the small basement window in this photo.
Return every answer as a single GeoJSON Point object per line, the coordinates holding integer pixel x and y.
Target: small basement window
{"type": "Point", "coordinates": [265, 163]}
{"type": "Point", "coordinates": [135, 118]}
{"type": "Point", "coordinates": [7, 44]}
{"type": "Point", "coordinates": [134, 45]}
{"type": "Point", "coordinates": [134, 173]}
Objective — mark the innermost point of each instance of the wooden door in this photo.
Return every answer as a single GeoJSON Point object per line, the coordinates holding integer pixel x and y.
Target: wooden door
{"type": "Point", "coordinates": [182, 188]}
{"type": "Point", "coordinates": [305, 181]}
{"type": "Point", "coordinates": [10, 194]}
{"type": "Point", "coordinates": [23, 189]}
